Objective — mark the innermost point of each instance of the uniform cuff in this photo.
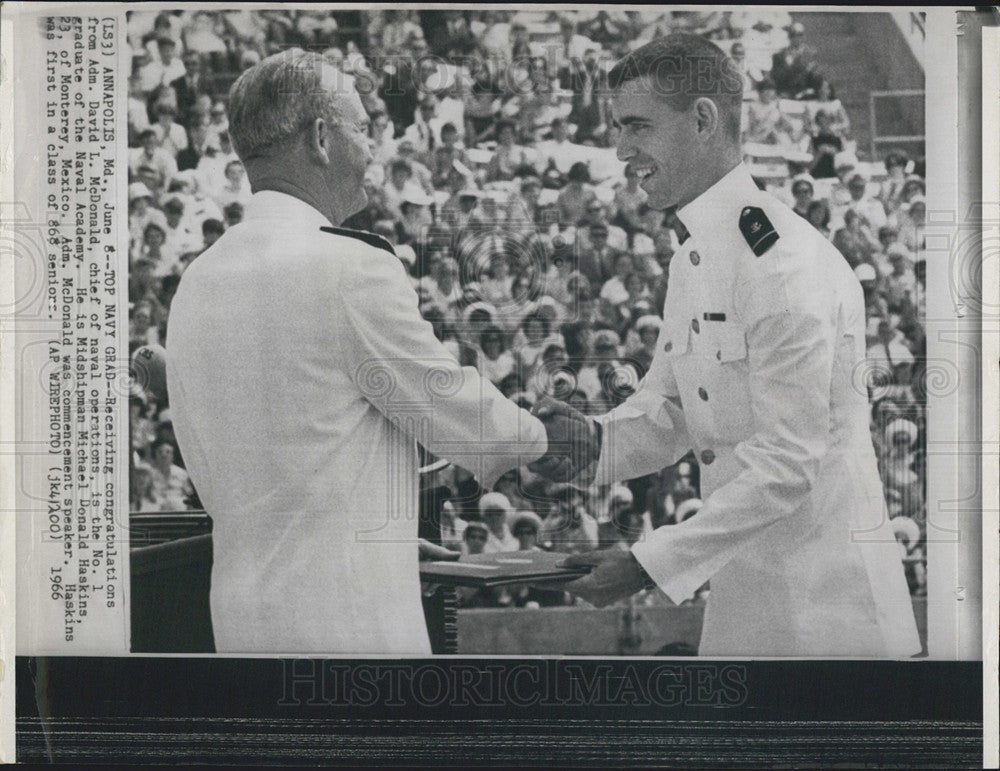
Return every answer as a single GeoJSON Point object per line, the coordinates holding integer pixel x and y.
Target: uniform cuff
{"type": "Point", "coordinates": [533, 447]}
{"type": "Point", "coordinates": [654, 556]}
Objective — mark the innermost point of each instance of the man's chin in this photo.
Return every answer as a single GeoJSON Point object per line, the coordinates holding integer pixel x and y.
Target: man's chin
{"type": "Point", "coordinates": [658, 203]}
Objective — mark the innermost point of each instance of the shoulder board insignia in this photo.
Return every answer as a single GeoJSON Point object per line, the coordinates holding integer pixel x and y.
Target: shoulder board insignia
{"type": "Point", "coordinates": [362, 235]}
{"type": "Point", "coordinates": [757, 229]}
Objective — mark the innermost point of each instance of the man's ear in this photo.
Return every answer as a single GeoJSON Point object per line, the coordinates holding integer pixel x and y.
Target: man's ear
{"type": "Point", "coordinates": [319, 140]}
{"type": "Point", "coordinates": [707, 116]}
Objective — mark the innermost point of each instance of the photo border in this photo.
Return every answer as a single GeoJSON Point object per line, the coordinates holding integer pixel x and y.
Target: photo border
{"type": "Point", "coordinates": [928, 706]}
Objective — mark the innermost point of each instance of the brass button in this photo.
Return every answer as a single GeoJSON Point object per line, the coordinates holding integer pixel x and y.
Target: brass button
{"type": "Point", "coordinates": [668, 347]}
{"type": "Point", "coordinates": [707, 456]}
{"type": "Point", "coordinates": [694, 325]}
{"type": "Point", "coordinates": [703, 394]}
{"type": "Point", "coordinates": [695, 257]}
{"type": "Point", "coordinates": [718, 355]}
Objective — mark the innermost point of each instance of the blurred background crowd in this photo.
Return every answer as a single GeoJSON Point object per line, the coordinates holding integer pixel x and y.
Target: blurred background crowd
{"type": "Point", "coordinates": [529, 245]}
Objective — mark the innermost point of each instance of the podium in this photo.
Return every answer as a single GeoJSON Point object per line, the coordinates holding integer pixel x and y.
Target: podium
{"type": "Point", "coordinates": [170, 596]}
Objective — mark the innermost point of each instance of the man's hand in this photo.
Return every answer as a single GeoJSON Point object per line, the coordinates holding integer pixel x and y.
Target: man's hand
{"type": "Point", "coordinates": [431, 551]}
{"type": "Point", "coordinates": [616, 575]}
{"type": "Point", "coordinates": [574, 441]}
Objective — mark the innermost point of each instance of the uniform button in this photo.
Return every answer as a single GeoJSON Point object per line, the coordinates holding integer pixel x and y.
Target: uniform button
{"type": "Point", "coordinates": [718, 355]}
{"type": "Point", "coordinates": [695, 258]}
{"type": "Point", "coordinates": [703, 394]}
{"type": "Point", "coordinates": [707, 456]}
{"type": "Point", "coordinates": [668, 347]}
{"type": "Point", "coordinates": [694, 325]}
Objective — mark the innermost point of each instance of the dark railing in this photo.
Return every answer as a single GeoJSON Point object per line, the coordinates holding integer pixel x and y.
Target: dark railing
{"type": "Point", "coordinates": [152, 528]}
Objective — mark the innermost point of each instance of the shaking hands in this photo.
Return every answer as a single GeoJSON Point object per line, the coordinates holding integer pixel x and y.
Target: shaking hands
{"type": "Point", "coordinates": [574, 441]}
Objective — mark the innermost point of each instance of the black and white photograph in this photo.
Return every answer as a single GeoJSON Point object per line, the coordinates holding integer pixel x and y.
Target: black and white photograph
{"type": "Point", "coordinates": [642, 288]}
{"type": "Point", "coordinates": [501, 384]}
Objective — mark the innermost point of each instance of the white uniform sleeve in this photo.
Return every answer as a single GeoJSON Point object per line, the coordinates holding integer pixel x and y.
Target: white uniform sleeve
{"type": "Point", "coordinates": [407, 374]}
{"type": "Point", "coordinates": [647, 431]}
{"type": "Point", "coordinates": [791, 342]}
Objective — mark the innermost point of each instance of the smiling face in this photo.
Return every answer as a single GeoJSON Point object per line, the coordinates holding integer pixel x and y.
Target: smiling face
{"type": "Point", "coordinates": [661, 143]}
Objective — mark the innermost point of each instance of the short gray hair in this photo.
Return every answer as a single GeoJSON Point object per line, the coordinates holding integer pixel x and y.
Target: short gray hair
{"type": "Point", "coordinates": [277, 98]}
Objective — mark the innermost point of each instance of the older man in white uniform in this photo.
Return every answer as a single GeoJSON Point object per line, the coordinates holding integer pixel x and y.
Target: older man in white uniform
{"type": "Point", "coordinates": [301, 377]}
{"type": "Point", "coordinates": [756, 370]}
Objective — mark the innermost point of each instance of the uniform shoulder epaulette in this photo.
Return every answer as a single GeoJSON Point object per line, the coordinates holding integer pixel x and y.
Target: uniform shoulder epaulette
{"type": "Point", "coordinates": [362, 235]}
{"type": "Point", "coordinates": [757, 229]}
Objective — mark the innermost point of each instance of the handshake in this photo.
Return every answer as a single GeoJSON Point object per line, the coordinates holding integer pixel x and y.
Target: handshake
{"type": "Point", "coordinates": [574, 442]}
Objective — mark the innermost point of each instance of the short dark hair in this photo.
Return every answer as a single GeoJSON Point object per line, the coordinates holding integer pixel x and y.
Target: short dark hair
{"type": "Point", "coordinates": [536, 316]}
{"type": "Point", "coordinates": [212, 225]}
{"type": "Point", "coordinates": [505, 123]}
{"type": "Point", "coordinates": [896, 158]}
{"type": "Point", "coordinates": [684, 67]}
{"type": "Point", "coordinates": [579, 172]}
{"type": "Point", "coordinates": [820, 205]}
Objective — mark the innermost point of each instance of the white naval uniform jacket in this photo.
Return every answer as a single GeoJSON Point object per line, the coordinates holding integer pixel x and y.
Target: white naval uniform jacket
{"type": "Point", "coordinates": [301, 376]}
{"type": "Point", "coordinates": [757, 370]}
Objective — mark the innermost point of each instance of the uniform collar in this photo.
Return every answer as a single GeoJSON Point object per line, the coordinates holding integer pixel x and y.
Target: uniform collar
{"type": "Point", "coordinates": [721, 203]}
{"type": "Point", "coordinates": [270, 204]}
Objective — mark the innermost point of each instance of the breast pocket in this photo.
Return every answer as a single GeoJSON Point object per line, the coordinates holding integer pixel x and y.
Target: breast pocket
{"type": "Point", "coordinates": [721, 347]}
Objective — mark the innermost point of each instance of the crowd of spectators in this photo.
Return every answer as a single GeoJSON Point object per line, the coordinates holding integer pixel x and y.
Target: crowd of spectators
{"type": "Point", "coordinates": [530, 247]}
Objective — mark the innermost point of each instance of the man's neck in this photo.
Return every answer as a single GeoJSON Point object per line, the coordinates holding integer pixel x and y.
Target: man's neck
{"type": "Point", "coordinates": [334, 210]}
{"type": "Point", "coordinates": [723, 169]}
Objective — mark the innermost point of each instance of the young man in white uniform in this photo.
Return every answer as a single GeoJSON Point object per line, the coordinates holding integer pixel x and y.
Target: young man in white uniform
{"type": "Point", "coordinates": [755, 370]}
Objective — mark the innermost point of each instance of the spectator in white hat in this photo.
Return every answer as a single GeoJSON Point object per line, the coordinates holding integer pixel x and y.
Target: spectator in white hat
{"type": "Point", "coordinates": [845, 164]}
{"type": "Point", "coordinates": [495, 508]}
{"type": "Point", "coordinates": [415, 215]}
{"type": "Point", "coordinates": [525, 526]}
{"type": "Point", "coordinates": [140, 214]}
{"type": "Point", "coordinates": [870, 208]}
